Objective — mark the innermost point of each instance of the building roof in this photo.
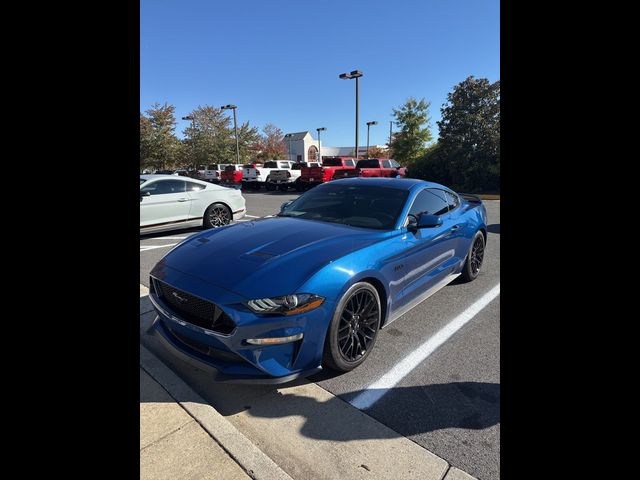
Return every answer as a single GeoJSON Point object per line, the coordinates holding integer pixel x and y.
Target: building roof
{"type": "Point", "coordinates": [297, 136]}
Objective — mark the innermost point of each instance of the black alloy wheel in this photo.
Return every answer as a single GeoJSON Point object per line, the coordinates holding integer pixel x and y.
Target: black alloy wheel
{"type": "Point", "coordinates": [354, 328]}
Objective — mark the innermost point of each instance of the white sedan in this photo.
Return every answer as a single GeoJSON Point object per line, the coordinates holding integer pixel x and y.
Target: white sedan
{"type": "Point", "coordinates": [168, 202]}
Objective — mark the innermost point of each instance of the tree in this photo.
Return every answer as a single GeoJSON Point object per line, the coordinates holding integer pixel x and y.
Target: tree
{"type": "Point", "coordinates": [433, 166]}
{"type": "Point", "coordinates": [158, 142]}
{"type": "Point", "coordinates": [470, 134]}
{"type": "Point", "coordinates": [208, 138]}
{"type": "Point", "coordinates": [377, 152]}
{"type": "Point", "coordinates": [409, 141]}
{"type": "Point", "coordinates": [248, 139]}
{"type": "Point", "coordinates": [271, 145]}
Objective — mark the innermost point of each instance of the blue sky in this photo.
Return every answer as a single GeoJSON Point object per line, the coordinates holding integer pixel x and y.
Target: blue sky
{"type": "Point", "coordinates": [279, 60]}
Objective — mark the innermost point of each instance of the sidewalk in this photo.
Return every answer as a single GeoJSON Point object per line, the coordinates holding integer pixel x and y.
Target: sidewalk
{"type": "Point", "coordinates": [182, 437]}
{"type": "Point", "coordinates": [173, 445]}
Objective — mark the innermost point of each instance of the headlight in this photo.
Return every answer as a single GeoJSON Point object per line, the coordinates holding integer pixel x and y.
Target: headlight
{"type": "Point", "coordinates": [286, 305]}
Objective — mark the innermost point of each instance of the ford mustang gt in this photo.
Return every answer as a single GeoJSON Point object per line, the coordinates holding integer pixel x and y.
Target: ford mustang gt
{"type": "Point", "coordinates": [276, 298]}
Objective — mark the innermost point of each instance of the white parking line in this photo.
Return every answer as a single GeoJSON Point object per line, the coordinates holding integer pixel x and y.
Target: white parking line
{"type": "Point", "coordinates": [169, 238]}
{"type": "Point", "coordinates": [378, 389]}
{"type": "Point", "coordinates": [144, 248]}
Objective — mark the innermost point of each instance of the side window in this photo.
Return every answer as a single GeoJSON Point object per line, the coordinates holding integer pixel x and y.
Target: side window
{"type": "Point", "coordinates": [348, 163]}
{"type": "Point", "coordinates": [386, 164]}
{"type": "Point", "coordinates": [394, 164]}
{"type": "Point", "coordinates": [194, 187]}
{"type": "Point", "coordinates": [452, 200]}
{"type": "Point", "coordinates": [428, 203]}
{"type": "Point", "coordinates": [162, 187]}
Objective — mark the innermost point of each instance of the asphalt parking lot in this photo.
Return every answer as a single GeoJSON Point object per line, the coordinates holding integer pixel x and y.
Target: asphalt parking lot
{"type": "Point", "coordinates": [447, 401]}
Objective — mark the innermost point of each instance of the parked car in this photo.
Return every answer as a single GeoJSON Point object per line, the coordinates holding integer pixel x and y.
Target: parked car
{"type": "Point", "coordinates": [315, 175]}
{"type": "Point", "coordinates": [212, 173]}
{"type": "Point", "coordinates": [254, 177]}
{"type": "Point", "coordinates": [232, 175]}
{"type": "Point", "coordinates": [163, 172]}
{"type": "Point", "coordinates": [277, 298]}
{"type": "Point", "coordinates": [374, 167]}
{"type": "Point", "coordinates": [181, 173]}
{"type": "Point", "coordinates": [168, 202]}
{"type": "Point", "coordinates": [283, 179]}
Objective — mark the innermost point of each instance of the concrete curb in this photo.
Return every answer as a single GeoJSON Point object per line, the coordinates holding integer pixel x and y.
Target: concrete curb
{"type": "Point", "coordinates": [257, 464]}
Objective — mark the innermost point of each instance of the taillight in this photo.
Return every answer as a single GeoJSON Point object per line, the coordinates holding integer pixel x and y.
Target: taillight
{"type": "Point", "coordinates": [322, 171]}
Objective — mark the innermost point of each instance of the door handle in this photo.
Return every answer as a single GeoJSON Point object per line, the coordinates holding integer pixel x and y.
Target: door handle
{"type": "Point", "coordinates": [183, 199]}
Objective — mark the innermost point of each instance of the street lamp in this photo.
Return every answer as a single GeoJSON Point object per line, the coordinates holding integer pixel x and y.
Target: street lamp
{"type": "Point", "coordinates": [289, 135]}
{"type": "Point", "coordinates": [193, 131]}
{"type": "Point", "coordinates": [321, 129]}
{"type": "Point", "coordinates": [369, 125]}
{"type": "Point", "coordinates": [348, 76]}
{"type": "Point", "coordinates": [235, 128]}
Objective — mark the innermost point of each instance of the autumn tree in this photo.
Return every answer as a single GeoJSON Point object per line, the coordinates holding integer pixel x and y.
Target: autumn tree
{"type": "Point", "coordinates": [271, 145]}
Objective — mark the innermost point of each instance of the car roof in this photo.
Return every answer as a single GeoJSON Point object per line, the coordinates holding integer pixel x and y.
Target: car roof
{"type": "Point", "coordinates": [153, 176]}
{"type": "Point", "coordinates": [400, 183]}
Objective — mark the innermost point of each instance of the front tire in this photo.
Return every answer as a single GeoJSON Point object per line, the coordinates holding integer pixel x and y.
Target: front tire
{"type": "Point", "coordinates": [353, 329]}
{"type": "Point", "coordinates": [475, 257]}
{"type": "Point", "coordinates": [217, 215]}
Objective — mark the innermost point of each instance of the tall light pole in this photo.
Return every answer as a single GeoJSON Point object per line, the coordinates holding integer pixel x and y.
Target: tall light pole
{"type": "Point", "coordinates": [321, 129]}
{"type": "Point", "coordinates": [390, 124]}
{"type": "Point", "coordinates": [289, 135]}
{"type": "Point", "coordinates": [369, 125]}
{"type": "Point", "coordinates": [348, 76]}
{"type": "Point", "coordinates": [193, 131]}
{"type": "Point", "coordinates": [235, 128]}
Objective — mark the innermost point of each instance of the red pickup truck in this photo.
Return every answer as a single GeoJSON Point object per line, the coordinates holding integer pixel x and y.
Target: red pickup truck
{"type": "Point", "coordinates": [232, 174]}
{"type": "Point", "coordinates": [374, 167]}
{"type": "Point", "coordinates": [312, 176]}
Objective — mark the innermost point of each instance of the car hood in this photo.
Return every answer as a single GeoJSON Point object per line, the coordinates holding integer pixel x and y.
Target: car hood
{"type": "Point", "coordinates": [267, 257]}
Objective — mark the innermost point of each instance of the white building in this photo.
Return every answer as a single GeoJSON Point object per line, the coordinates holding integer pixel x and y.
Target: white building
{"type": "Point", "coordinates": [302, 147]}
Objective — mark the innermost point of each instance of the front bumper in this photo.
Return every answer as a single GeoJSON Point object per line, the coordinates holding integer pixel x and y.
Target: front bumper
{"type": "Point", "coordinates": [229, 358]}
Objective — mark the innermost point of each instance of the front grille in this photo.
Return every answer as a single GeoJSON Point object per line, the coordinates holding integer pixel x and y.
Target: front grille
{"type": "Point", "coordinates": [194, 309]}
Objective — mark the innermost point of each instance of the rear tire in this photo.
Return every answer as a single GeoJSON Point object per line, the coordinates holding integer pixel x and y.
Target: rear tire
{"type": "Point", "coordinates": [354, 328]}
{"type": "Point", "coordinates": [217, 215]}
{"type": "Point", "coordinates": [270, 186]}
{"type": "Point", "coordinates": [475, 257]}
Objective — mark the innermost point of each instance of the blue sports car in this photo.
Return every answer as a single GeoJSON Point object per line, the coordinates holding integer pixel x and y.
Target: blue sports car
{"type": "Point", "coordinates": [277, 298]}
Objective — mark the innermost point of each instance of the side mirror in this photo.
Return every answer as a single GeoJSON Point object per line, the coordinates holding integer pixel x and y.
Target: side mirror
{"type": "Point", "coordinates": [285, 205]}
{"type": "Point", "coordinates": [144, 194]}
{"type": "Point", "coordinates": [429, 221]}
{"type": "Point", "coordinates": [423, 221]}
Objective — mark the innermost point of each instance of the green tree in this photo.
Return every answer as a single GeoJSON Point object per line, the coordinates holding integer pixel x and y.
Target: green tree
{"type": "Point", "coordinates": [470, 134]}
{"type": "Point", "coordinates": [271, 145]}
{"type": "Point", "coordinates": [248, 141]}
{"type": "Point", "coordinates": [158, 142]}
{"type": "Point", "coordinates": [208, 137]}
{"type": "Point", "coordinates": [412, 122]}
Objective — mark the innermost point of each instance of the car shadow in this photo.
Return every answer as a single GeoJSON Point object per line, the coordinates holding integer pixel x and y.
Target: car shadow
{"type": "Point", "coordinates": [414, 410]}
{"type": "Point", "coordinates": [494, 228]}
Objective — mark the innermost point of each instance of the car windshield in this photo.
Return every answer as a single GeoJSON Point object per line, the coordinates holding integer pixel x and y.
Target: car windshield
{"type": "Point", "coordinates": [354, 205]}
{"type": "Point", "coordinates": [270, 165]}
